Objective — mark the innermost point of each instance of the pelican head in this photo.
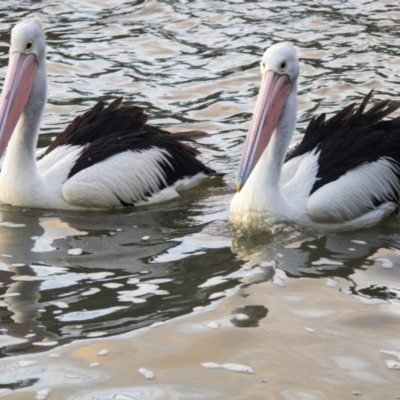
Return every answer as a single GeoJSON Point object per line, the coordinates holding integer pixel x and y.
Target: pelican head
{"type": "Point", "coordinates": [27, 52]}
{"type": "Point", "coordinates": [279, 73]}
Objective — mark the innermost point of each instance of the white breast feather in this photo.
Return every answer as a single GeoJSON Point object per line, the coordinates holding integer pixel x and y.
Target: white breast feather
{"type": "Point", "coordinates": [42, 190]}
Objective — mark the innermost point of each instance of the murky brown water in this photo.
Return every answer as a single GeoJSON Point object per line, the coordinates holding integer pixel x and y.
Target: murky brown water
{"type": "Point", "coordinates": [313, 316]}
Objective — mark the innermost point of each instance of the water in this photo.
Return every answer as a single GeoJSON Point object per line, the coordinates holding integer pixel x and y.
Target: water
{"type": "Point", "coordinates": [194, 65]}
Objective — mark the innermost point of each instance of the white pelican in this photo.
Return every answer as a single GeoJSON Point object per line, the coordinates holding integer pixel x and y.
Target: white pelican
{"type": "Point", "coordinates": [345, 173]}
{"type": "Point", "coordinates": [108, 157]}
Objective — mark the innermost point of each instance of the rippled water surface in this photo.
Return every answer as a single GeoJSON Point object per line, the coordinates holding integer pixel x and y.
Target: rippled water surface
{"type": "Point", "coordinates": [192, 65]}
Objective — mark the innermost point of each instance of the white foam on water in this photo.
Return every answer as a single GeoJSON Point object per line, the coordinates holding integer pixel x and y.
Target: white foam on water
{"type": "Point", "coordinates": [133, 281]}
{"type": "Point", "coordinates": [245, 272]}
{"type": "Point", "coordinates": [12, 225]}
{"type": "Point", "coordinates": [393, 364]}
{"type": "Point", "coordinates": [123, 397]}
{"type": "Point", "coordinates": [146, 373]}
{"type": "Point", "coordinates": [159, 281]}
{"type": "Point", "coordinates": [142, 290]}
{"type": "Point", "coordinates": [326, 261]}
{"type": "Point", "coordinates": [216, 295]}
{"type": "Point", "coordinates": [359, 241]}
{"type": "Point", "coordinates": [88, 315]}
{"type": "Point", "coordinates": [211, 365]}
{"type": "Point", "coordinates": [330, 282]}
{"type": "Point", "coordinates": [25, 363]}
{"type": "Point", "coordinates": [27, 278]}
{"type": "Point", "coordinates": [131, 298]}
{"type": "Point", "coordinates": [59, 304]}
{"type": "Point", "coordinates": [229, 366]}
{"type": "Point", "coordinates": [241, 317]}
{"type": "Point", "coordinates": [385, 262]}
{"type": "Point", "coordinates": [214, 281]}
{"type": "Point", "coordinates": [214, 324]}
{"type": "Point", "coordinates": [42, 394]}
{"type": "Point", "coordinates": [75, 252]}
{"type": "Point", "coordinates": [157, 324]}
{"type": "Point", "coordinates": [278, 281]}
{"type": "Point", "coordinates": [265, 264]}
{"type": "Point", "coordinates": [371, 301]}
{"type": "Point", "coordinates": [90, 292]}
{"type": "Point", "coordinates": [6, 341]}
{"type": "Point", "coordinates": [96, 334]}
{"type": "Point", "coordinates": [99, 275]}
{"type": "Point", "coordinates": [46, 344]}
{"type": "Point", "coordinates": [112, 285]}
{"type": "Point", "coordinates": [3, 296]}
{"type": "Point", "coordinates": [48, 270]}
{"type": "Point", "coordinates": [238, 368]}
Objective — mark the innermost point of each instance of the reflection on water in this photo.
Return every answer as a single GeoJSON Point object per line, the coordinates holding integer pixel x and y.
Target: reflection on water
{"type": "Point", "coordinates": [192, 65]}
{"type": "Point", "coordinates": [70, 282]}
{"type": "Point", "coordinates": [334, 256]}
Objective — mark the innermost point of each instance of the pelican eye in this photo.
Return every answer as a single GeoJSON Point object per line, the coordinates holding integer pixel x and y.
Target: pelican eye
{"type": "Point", "coordinates": [283, 66]}
{"type": "Point", "coordinates": [262, 67]}
{"type": "Point", "coordinates": [29, 46]}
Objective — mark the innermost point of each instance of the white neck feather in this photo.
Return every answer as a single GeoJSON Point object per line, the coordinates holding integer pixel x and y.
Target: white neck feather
{"type": "Point", "coordinates": [264, 182]}
{"type": "Point", "coordinates": [273, 157]}
{"type": "Point", "coordinates": [19, 167]}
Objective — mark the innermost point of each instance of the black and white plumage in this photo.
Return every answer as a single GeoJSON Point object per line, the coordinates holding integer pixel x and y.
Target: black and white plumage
{"type": "Point", "coordinates": [344, 174]}
{"type": "Point", "coordinates": [108, 157]}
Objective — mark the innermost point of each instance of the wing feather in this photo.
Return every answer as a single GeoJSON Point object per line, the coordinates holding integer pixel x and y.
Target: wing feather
{"type": "Point", "coordinates": [357, 192]}
{"type": "Point", "coordinates": [106, 184]}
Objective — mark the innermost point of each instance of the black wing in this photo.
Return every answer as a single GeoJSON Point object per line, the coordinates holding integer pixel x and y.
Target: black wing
{"type": "Point", "coordinates": [107, 131]}
{"type": "Point", "coordinates": [182, 157]}
{"type": "Point", "coordinates": [350, 138]}
{"type": "Point", "coordinates": [100, 122]}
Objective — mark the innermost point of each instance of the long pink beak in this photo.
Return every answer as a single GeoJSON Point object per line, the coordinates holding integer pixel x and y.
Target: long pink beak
{"type": "Point", "coordinates": [271, 100]}
{"type": "Point", "coordinates": [17, 88]}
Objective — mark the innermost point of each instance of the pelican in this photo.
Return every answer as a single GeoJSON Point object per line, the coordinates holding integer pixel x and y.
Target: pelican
{"type": "Point", "coordinates": [108, 157]}
{"type": "Point", "coordinates": [345, 173]}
